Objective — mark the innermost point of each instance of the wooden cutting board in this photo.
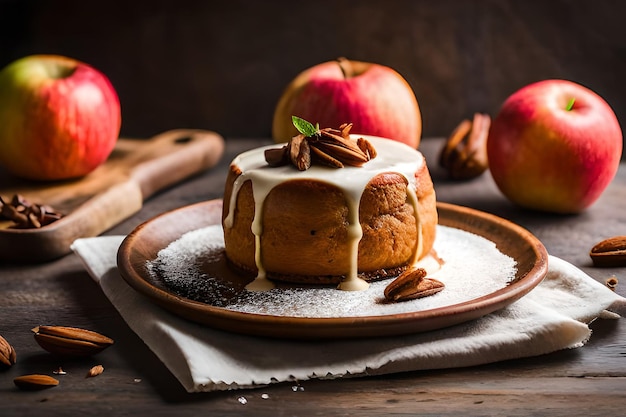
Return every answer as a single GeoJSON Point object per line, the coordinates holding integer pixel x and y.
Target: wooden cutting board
{"type": "Point", "coordinates": [136, 169]}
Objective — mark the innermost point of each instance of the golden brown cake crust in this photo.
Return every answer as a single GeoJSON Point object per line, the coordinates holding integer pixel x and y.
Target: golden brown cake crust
{"type": "Point", "coordinates": [305, 228]}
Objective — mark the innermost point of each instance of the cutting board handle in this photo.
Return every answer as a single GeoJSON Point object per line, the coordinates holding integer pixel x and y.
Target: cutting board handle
{"type": "Point", "coordinates": [173, 156]}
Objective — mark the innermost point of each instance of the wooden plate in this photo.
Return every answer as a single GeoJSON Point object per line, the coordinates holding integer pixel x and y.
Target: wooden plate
{"type": "Point", "coordinates": [145, 241]}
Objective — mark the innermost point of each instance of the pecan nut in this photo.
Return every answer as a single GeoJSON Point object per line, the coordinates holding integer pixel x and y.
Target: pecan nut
{"type": "Point", "coordinates": [412, 284]}
{"type": "Point", "coordinates": [95, 371]}
{"type": "Point", "coordinates": [609, 252]}
{"type": "Point", "coordinates": [7, 354]}
{"type": "Point", "coordinates": [35, 382]}
{"type": "Point", "coordinates": [464, 156]}
{"type": "Point", "coordinates": [26, 215]}
{"type": "Point", "coordinates": [330, 147]}
{"type": "Point", "coordinates": [70, 341]}
{"type": "Point", "coordinates": [611, 282]}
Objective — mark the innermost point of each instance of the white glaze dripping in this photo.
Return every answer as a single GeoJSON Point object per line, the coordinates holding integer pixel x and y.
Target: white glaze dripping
{"type": "Point", "coordinates": [418, 225]}
{"type": "Point", "coordinates": [392, 156]}
{"type": "Point", "coordinates": [352, 282]}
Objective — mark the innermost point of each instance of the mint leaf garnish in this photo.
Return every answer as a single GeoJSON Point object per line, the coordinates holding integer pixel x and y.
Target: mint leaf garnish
{"type": "Point", "coordinates": [304, 127]}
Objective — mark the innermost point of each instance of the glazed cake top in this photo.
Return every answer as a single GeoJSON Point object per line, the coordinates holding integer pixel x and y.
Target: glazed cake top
{"type": "Point", "coordinates": [392, 156]}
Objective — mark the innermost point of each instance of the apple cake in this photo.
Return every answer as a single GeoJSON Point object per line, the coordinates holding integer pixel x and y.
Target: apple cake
{"type": "Point", "coordinates": [328, 209]}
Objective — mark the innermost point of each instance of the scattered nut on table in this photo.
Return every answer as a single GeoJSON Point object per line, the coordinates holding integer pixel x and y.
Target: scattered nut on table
{"type": "Point", "coordinates": [464, 156]}
{"type": "Point", "coordinates": [609, 252]}
{"type": "Point", "coordinates": [95, 371]}
{"type": "Point", "coordinates": [70, 341]}
{"type": "Point", "coordinates": [8, 356]}
{"type": "Point", "coordinates": [612, 282]}
{"type": "Point", "coordinates": [35, 382]}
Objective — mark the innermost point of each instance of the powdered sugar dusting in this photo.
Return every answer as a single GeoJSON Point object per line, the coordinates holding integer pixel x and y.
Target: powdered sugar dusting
{"type": "Point", "coordinates": [194, 267]}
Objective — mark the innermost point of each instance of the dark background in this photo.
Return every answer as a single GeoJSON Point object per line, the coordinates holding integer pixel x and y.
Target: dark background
{"type": "Point", "coordinates": [222, 65]}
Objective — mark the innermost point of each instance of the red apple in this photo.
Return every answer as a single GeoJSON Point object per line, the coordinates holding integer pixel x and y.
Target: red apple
{"type": "Point", "coordinates": [554, 146]}
{"type": "Point", "coordinates": [375, 98]}
{"type": "Point", "coordinates": [59, 118]}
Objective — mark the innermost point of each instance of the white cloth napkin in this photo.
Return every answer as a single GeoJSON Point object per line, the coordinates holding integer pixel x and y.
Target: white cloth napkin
{"type": "Point", "coordinates": [553, 316]}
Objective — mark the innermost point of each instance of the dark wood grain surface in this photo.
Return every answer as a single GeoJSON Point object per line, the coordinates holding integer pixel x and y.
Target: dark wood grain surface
{"type": "Point", "coordinates": [589, 381]}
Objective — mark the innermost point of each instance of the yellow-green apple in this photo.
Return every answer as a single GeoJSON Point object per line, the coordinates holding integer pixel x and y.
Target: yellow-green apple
{"type": "Point", "coordinates": [554, 146]}
{"type": "Point", "coordinates": [59, 118]}
{"type": "Point", "coordinates": [375, 98]}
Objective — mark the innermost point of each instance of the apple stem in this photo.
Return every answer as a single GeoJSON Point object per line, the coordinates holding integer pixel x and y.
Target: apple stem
{"type": "Point", "coordinates": [346, 67]}
{"type": "Point", "coordinates": [570, 104]}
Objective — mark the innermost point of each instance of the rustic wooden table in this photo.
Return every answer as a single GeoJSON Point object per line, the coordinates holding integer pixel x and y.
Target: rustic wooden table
{"type": "Point", "coordinates": [587, 381]}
